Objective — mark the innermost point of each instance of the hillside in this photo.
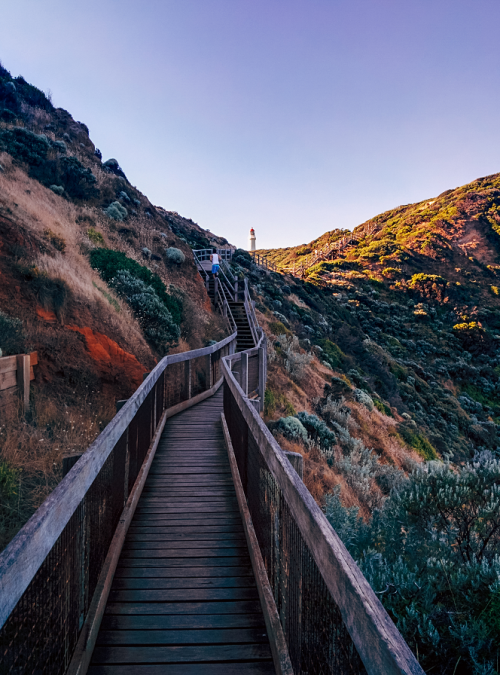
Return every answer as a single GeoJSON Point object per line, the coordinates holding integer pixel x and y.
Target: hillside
{"type": "Point", "coordinates": [69, 223]}
{"type": "Point", "coordinates": [385, 374]}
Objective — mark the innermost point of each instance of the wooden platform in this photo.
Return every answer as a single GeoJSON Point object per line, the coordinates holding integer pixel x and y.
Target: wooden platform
{"type": "Point", "coordinates": [184, 599]}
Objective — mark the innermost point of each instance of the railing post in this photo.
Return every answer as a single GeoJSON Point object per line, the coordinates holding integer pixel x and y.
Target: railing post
{"type": "Point", "coordinates": [244, 372]}
{"type": "Point", "coordinates": [236, 290]}
{"type": "Point", "coordinates": [262, 376]}
{"type": "Point", "coordinates": [23, 379]}
{"type": "Point", "coordinates": [187, 373]}
{"type": "Point", "coordinates": [209, 366]}
{"type": "Point", "coordinates": [216, 290]}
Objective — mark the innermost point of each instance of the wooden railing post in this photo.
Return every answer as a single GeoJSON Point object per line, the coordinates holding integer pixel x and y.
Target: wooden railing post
{"type": "Point", "coordinates": [236, 290]}
{"type": "Point", "coordinates": [262, 376]}
{"type": "Point", "coordinates": [210, 375]}
{"type": "Point", "coordinates": [187, 373]}
{"type": "Point", "coordinates": [23, 379]}
{"type": "Point", "coordinates": [244, 372]}
{"type": "Point", "coordinates": [216, 290]}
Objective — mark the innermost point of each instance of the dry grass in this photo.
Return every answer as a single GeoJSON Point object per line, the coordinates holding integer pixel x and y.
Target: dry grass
{"type": "Point", "coordinates": [34, 446]}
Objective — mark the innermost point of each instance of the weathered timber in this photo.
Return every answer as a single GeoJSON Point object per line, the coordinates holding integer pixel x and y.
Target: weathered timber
{"type": "Point", "coordinates": [377, 640]}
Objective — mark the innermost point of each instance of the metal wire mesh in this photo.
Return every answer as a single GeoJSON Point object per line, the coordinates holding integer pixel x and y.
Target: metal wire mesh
{"type": "Point", "coordinates": [41, 633]}
{"type": "Point", "coordinates": [317, 639]}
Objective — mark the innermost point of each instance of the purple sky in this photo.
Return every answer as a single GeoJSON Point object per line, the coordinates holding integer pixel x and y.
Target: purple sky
{"type": "Point", "coordinates": [294, 117]}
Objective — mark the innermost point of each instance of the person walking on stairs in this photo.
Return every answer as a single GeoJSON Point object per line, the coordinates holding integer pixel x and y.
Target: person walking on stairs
{"type": "Point", "coordinates": [215, 263]}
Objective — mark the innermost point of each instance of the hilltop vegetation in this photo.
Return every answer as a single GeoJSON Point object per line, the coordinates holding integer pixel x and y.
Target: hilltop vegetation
{"type": "Point", "coordinates": [402, 446]}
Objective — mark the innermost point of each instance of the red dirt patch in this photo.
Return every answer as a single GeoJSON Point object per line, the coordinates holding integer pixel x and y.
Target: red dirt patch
{"type": "Point", "coordinates": [110, 357]}
{"type": "Point", "coordinates": [46, 315]}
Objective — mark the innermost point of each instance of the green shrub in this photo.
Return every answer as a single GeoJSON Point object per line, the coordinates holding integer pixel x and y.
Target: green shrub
{"type": "Point", "coordinates": [12, 336]}
{"type": "Point", "coordinates": [274, 399]}
{"type": "Point", "coordinates": [95, 237]}
{"type": "Point", "coordinates": [332, 354]}
{"type": "Point", "coordinates": [108, 263]}
{"type": "Point", "coordinates": [78, 181]}
{"type": "Point", "coordinates": [58, 189]}
{"type": "Point", "coordinates": [317, 430]}
{"type": "Point", "coordinates": [175, 255]}
{"type": "Point", "coordinates": [116, 211]}
{"type": "Point", "coordinates": [416, 440]}
{"type": "Point", "coordinates": [8, 482]}
{"type": "Point", "coordinates": [156, 321]}
{"type": "Point", "coordinates": [278, 328]}
{"type": "Point", "coordinates": [60, 145]}
{"type": "Point", "coordinates": [382, 407]}
{"type": "Point", "coordinates": [25, 145]}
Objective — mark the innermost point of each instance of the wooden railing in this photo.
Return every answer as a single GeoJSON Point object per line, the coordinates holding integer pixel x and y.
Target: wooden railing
{"type": "Point", "coordinates": [331, 619]}
{"type": "Point", "coordinates": [55, 572]}
{"type": "Point", "coordinates": [16, 372]}
{"type": "Point", "coordinates": [263, 262]}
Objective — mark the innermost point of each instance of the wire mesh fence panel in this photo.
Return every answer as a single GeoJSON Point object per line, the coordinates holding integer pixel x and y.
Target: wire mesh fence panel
{"type": "Point", "coordinates": [317, 639]}
{"type": "Point", "coordinates": [200, 375]}
{"type": "Point", "coordinates": [41, 631]}
{"type": "Point", "coordinates": [176, 383]}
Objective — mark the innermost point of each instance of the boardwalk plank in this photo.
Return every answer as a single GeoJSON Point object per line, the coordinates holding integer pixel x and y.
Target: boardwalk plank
{"type": "Point", "coordinates": [184, 599]}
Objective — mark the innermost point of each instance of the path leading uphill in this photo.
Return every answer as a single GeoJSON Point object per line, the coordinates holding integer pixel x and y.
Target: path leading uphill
{"type": "Point", "coordinates": [184, 599]}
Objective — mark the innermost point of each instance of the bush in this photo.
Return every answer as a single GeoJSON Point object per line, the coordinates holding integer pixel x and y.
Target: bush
{"type": "Point", "coordinates": [116, 211]}
{"type": "Point", "coordinates": [58, 189]}
{"type": "Point", "coordinates": [78, 181]}
{"type": "Point", "coordinates": [156, 321]}
{"type": "Point", "coordinates": [12, 336]}
{"type": "Point", "coordinates": [332, 354]}
{"type": "Point", "coordinates": [242, 257]}
{"type": "Point", "coordinates": [416, 440]}
{"type": "Point", "coordinates": [108, 263]}
{"type": "Point", "coordinates": [317, 431]}
{"type": "Point", "coordinates": [25, 145]}
{"type": "Point", "coordinates": [60, 145]}
{"type": "Point", "coordinates": [175, 255]}
{"type": "Point", "coordinates": [295, 362]}
{"type": "Point", "coordinates": [112, 166]}
{"type": "Point", "coordinates": [362, 397]}
{"type": "Point", "coordinates": [291, 428]}
{"type": "Point", "coordinates": [95, 237]}
{"type": "Point", "coordinates": [431, 555]}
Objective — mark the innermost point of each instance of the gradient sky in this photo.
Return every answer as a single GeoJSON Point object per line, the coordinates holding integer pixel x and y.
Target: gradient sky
{"type": "Point", "coordinates": [290, 116]}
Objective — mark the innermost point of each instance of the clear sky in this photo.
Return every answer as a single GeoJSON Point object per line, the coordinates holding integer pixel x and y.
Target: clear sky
{"type": "Point", "coordinates": [291, 116]}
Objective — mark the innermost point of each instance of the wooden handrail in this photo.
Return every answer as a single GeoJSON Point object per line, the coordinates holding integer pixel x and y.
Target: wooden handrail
{"type": "Point", "coordinates": [22, 558]}
{"type": "Point", "coordinates": [376, 638]}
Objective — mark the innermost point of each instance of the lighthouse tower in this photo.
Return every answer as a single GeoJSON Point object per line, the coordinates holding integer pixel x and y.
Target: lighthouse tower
{"type": "Point", "coordinates": [252, 240]}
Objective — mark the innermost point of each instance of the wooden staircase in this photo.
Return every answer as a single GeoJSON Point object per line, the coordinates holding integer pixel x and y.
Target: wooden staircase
{"type": "Point", "coordinates": [244, 339]}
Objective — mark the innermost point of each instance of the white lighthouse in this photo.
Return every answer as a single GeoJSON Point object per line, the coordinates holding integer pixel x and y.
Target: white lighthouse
{"type": "Point", "coordinates": [252, 240]}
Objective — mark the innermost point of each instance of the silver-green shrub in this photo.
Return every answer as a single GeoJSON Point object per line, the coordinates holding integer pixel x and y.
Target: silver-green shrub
{"type": "Point", "coordinates": [116, 211]}
{"type": "Point", "coordinates": [363, 398]}
{"type": "Point", "coordinates": [292, 429]}
{"type": "Point", "coordinates": [155, 319]}
{"type": "Point", "coordinates": [58, 189]}
{"type": "Point", "coordinates": [295, 362]}
{"type": "Point", "coordinates": [432, 555]}
{"type": "Point", "coordinates": [175, 255]}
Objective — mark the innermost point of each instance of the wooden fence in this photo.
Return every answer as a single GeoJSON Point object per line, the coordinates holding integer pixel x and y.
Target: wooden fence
{"type": "Point", "coordinates": [16, 372]}
{"type": "Point", "coordinates": [331, 619]}
{"type": "Point", "coordinates": [55, 572]}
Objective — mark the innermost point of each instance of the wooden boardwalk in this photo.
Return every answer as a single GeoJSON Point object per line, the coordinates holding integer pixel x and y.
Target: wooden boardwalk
{"type": "Point", "coordinates": [184, 599]}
